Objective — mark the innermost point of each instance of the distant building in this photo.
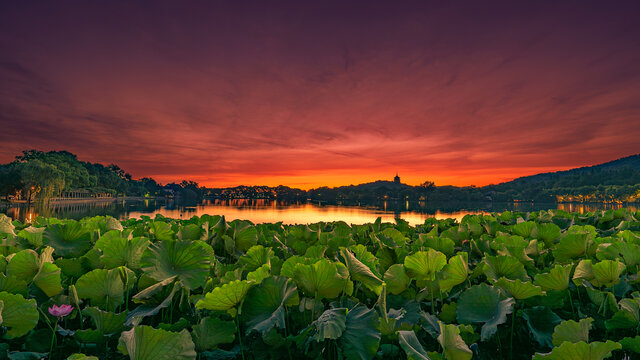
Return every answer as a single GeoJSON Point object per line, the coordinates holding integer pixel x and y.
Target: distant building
{"type": "Point", "coordinates": [396, 179]}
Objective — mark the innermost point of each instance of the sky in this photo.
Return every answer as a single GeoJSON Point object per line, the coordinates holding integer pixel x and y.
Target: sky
{"type": "Point", "coordinates": [307, 94]}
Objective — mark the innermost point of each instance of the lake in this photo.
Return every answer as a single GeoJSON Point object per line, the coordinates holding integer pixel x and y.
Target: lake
{"type": "Point", "coordinates": [269, 211]}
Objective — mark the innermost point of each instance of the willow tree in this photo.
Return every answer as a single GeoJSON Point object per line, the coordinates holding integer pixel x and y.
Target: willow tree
{"type": "Point", "coordinates": [40, 180]}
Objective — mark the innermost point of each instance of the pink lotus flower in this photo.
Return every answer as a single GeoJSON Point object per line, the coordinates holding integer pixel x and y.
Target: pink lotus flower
{"type": "Point", "coordinates": [60, 311]}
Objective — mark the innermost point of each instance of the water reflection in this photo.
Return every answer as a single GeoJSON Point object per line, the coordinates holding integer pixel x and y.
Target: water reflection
{"type": "Point", "coordinates": [261, 211]}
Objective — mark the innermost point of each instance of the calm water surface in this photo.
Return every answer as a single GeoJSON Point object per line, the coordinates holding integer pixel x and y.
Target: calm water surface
{"type": "Point", "coordinates": [265, 211]}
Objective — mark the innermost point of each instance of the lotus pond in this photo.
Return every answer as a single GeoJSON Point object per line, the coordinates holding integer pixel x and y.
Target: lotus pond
{"type": "Point", "coordinates": [539, 285]}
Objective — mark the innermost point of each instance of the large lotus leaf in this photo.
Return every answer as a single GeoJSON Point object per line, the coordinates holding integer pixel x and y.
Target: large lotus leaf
{"type": "Point", "coordinates": [106, 322]}
{"type": "Point", "coordinates": [572, 331]}
{"type": "Point", "coordinates": [525, 229]}
{"type": "Point", "coordinates": [364, 256]}
{"type": "Point", "coordinates": [118, 251]}
{"type": "Point", "coordinates": [628, 317]}
{"type": "Point", "coordinates": [509, 267]}
{"type": "Point", "coordinates": [580, 351]}
{"type": "Point", "coordinates": [189, 260]}
{"type": "Point", "coordinates": [6, 226]}
{"type": "Point", "coordinates": [630, 252]}
{"type": "Point", "coordinates": [541, 321]}
{"type": "Point", "coordinates": [190, 232]}
{"type": "Point", "coordinates": [264, 307]}
{"type": "Point", "coordinates": [361, 272]}
{"type": "Point", "coordinates": [289, 266]}
{"type": "Point", "coordinates": [243, 233]}
{"type": "Point", "coordinates": [548, 233]}
{"type": "Point", "coordinates": [160, 231]}
{"type": "Point", "coordinates": [103, 287]}
{"type": "Point", "coordinates": [572, 246]}
{"type": "Point", "coordinates": [211, 332]}
{"type": "Point", "coordinates": [255, 257]}
{"type": "Point", "coordinates": [631, 343]}
{"type": "Point", "coordinates": [78, 356]}
{"type": "Point", "coordinates": [153, 299]}
{"type": "Point", "coordinates": [411, 345]}
{"type": "Point", "coordinates": [48, 279]}
{"type": "Point", "coordinates": [259, 274]}
{"type": "Point", "coordinates": [23, 265]}
{"type": "Point", "coordinates": [519, 289]}
{"type": "Point", "coordinates": [454, 273]}
{"type": "Point", "coordinates": [440, 243]}
{"type": "Point", "coordinates": [331, 324]}
{"type": "Point", "coordinates": [482, 304]}
{"type": "Point", "coordinates": [147, 343]}
{"type": "Point", "coordinates": [424, 265]}
{"type": "Point", "coordinates": [454, 347]}
{"type": "Point", "coordinates": [396, 279]}
{"type": "Point", "coordinates": [18, 314]}
{"type": "Point", "coordinates": [33, 235]}
{"type": "Point", "coordinates": [322, 279]}
{"type": "Point", "coordinates": [68, 240]}
{"type": "Point", "coordinates": [89, 336]}
{"type": "Point", "coordinates": [607, 273]}
{"type": "Point", "coordinates": [225, 297]}
{"type": "Point", "coordinates": [361, 338]}
{"type": "Point", "coordinates": [584, 271]}
{"type": "Point", "coordinates": [556, 279]}
{"type": "Point", "coordinates": [13, 285]}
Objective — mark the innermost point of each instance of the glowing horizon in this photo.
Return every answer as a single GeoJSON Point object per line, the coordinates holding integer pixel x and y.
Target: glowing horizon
{"type": "Point", "coordinates": [314, 94]}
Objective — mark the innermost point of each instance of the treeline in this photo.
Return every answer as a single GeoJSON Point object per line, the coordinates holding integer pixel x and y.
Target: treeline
{"type": "Point", "coordinates": [38, 176]}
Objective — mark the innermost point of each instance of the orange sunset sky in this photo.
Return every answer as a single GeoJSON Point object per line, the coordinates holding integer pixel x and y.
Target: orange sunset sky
{"type": "Point", "coordinates": [307, 94]}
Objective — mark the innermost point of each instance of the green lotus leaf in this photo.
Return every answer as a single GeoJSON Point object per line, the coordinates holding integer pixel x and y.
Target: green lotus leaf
{"type": "Point", "coordinates": [106, 322]}
{"type": "Point", "coordinates": [13, 285]}
{"type": "Point", "coordinates": [424, 265]}
{"type": "Point", "coordinates": [331, 324]}
{"type": "Point", "coordinates": [627, 317]}
{"type": "Point", "coordinates": [289, 266]}
{"type": "Point", "coordinates": [189, 232]}
{"type": "Point", "coordinates": [607, 272]}
{"type": "Point", "coordinates": [323, 279]}
{"type": "Point", "coordinates": [23, 265]}
{"type": "Point", "coordinates": [189, 260]}
{"type": "Point", "coordinates": [541, 321]}
{"type": "Point", "coordinates": [147, 343]}
{"type": "Point", "coordinates": [572, 246]}
{"type": "Point", "coordinates": [556, 279]}
{"type": "Point", "coordinates": [411, 345]}
{"type": "Point", "coordinates": [396, 279]}
{"type": "Point", "coordinates": [118, 251]}
{"type": "Point", "coordinates": [482, 304]}
{"type": "Point", "coordinates": [160, 231]}
{"type": "Point", "coordinates": [153, 299]}
{"type": "Point", "coordinates": [361, 272]}
{"type": "Point", "coordinates": [364, 256]}
{"type": "Point", "coordinates": [527, 229]}
{"type": "Point", "coordinates": [104, 288]}
{"type": "Point", "coordinates": [584, 271]}
{"type": "Point", "coordinates": [509, 267]}
{"type": "Point", "coordinates": [79, 356]}
{"type": "Point", "coordinates": [454, 347]}
{"type": "Point", "coordinates": [454, 273]}
{"type": "Point", "coordinates": [361, 338]}
{"type": "Point", "coordinates": [580, 351]}
{"type": "Point", "coordinates": [18, 314]}
{"type": "Point", "coordinates": [33, 235]}
{"type": "Point", "coordinates": [630, 253]}
{"type": "Point", "coordinates": [572, 331]}
{"type": "Point", "coordinates": [243, 233]}
{"type": "Point", "coordinates": [48, 279]}
{"type": "Point", "coordinates": [225, 297]}
{"type": "Point", "coordinates": [631, 343]}
{"type": "Point", "coordinates": [259, 274]}
{"type": "Point", "coordinates": [264, 307]}
{"type": "Point", "coordinates": [255, 257]}
{"type": "Point", "coordinates": [211, 332]}
{"type": "Point", "coordinates": [548, 233]}
{"type": "Point", "coordinates": [519, 289]}
{"type": "Point", "coordinates": [442, 244]}
{"type": "Point", "coordinates": [68, 240]}
{"type": "Point", "coordinates": [6, 226]}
